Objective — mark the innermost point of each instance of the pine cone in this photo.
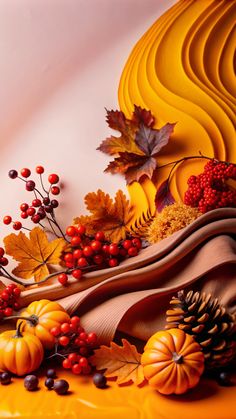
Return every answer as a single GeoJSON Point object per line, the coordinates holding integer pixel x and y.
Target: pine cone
{"type": "Point", "coordinates": [208, 321]}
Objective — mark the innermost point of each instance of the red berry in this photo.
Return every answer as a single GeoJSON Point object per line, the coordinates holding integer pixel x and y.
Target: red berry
{"type": "Point", "coordinates": [77, 254]}
{"type": "Point", "coordinates": [24, 215]}
{"type": "Point", "coordinates": [46, 200]}
{"type": "Point", "coordinates": [87, 251]}
{"type": "Point", "coordinates": [5, 295]}
{"type": "Point", "coordinates": [75, 240]}
{"type": "Point", "coordinates": [123, 252]}
{"type": "Point", "coordinates": [7, 219]}
{"type": "Point", "coordinates": [24, 207]}
{"type": "Point", "coordinates": [80, 330]}
{"type": "Point", "coordinates": [25, 172]}
{"type": "Point", "coordinates": [76, 369]}
{"type": "Point", "coordinates": [75, 320]}
{"type": "Point", "coordinates": [83, 336]}
{"type": "Point", "coordinates": [10, 288]}
{"type": "Point", "coordinates": [62, 278]}
{"type": "Point", "coordinates": [36, 202]}
{"type": "Point", "coordinates": [71, 231]}
{"type": "Point", "coordinates": [82, 262]}
{"type": "Point", "coordinates": [55, 331]}
{"type": "Point", "coordinates": [83, 351]}
{"type": "Point", "coordinates": [72, 357]}
{"type": "Point", "coordinates": [70, 265]}
{"type": "Point", "coordinates": [83, 362]}
{"type": "Point", "coordinates": [113, 262]}
{"type": "Point", "coordinates": [137, 243]}
{"type": "Point", "coordinates": [133, 251]}
{"type": "Point", "coordinates": [55, 190]}
{"type": "Point", "coordinates": [66, 364]}
{"type": "Point", "coordinates": [92, 338]}
{"type": "Point", "coordinates": [68, 257]}
{"type": "Point", "coordinates": [65, 327]}
{"type": "Point", "coordinates": [8, 311]}
{"type": "Point", "coordinates": [64, 340]}
{"type": "Point", "coordinates": [36, 218]}
{"type": "Point", "coordinates": [39, 170]}
{"type": "Point", "coordinates": [16, 306]}
{"type": "Point", "coordinates": [81, 229]}
{"type": "Point", "coordinates": [96, 245]}
{"type": "Point", "coordinates": [16, 291]}
{"type": "Point", "coordinates": [127, 244]}
{"type": "Point", "coordinates": [17, 225]}
{"type": "Point", "coordinates": [2, 252]}
{"type": "Point", "coordinates": [105, 249]}
{"type": "Point", "coordinates": [53, 178]}
{"type": "Point", "coordinates": [100, 236]}
{"type": "Point", "coordinates": [98, 259]}
{"type": "Point", "coordinates": [4, 261]}
{"type": "Point", "coordinates": [87, 370]}
{"type": "Point", "coordinates": [31, 211]}
{"type": "Point", "coordinates": [113, 249]}
{"type": "Point", "coordinates": [30, 185]}
{"type": "Point", "coordinates": [77, 273]}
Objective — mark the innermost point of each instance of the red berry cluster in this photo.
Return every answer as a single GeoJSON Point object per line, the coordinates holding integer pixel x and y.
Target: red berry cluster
{"type": "Point", "coordinates": [89, 252]}
{"type": "Point", "coordinates": [209, 190]}
{"type": "Point", "coordinates": [39, 207]}
{"type": "Point", "coordinates": [10, 295]}
{"type": "Point", "coordinates": [73, 339]}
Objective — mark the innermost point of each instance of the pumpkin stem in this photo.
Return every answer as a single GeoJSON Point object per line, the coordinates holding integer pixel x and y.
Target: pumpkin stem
{"type": "Point", "coordinates": [18, 332]}
{"type": "Point", "coordinates": [32, 319]}
{"type": "Point", "coordinates": [177, 358]}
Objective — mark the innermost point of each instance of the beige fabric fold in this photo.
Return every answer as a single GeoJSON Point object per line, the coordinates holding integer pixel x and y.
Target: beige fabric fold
{"type": "Point", "coordinates": [134, 296]}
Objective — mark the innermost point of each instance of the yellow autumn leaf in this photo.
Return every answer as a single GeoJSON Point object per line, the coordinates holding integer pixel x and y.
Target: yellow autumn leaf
{"type": "Point", "coordinates": [35, 253]}
{"type": "Point", "coordinates": [110, 216]}
{"type": "Point", "coordinates": [123, 362]}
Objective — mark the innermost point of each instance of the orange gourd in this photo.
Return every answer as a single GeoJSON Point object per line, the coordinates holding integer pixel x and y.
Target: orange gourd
{"type": "Point", "coordinates": [43, 315]}
{"type": "Point", "coordinates": [172, 361]}
{"type": "Point", "coordinates": [20, 352]}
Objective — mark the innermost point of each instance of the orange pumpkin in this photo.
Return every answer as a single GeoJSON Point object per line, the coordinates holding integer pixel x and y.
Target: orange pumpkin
{"type": "Point", "coordinates": [43, 315]}
{"type": "Point", "coordinates": [172, 361]}
{"type": "Point", "coordinates": [20, 352]}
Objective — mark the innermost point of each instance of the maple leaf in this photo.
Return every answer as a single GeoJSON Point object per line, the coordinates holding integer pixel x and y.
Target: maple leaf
{"type": "Point", "coordinates": [110, 216]}
{"type": "Point", "coordinates": [35, 253]}
{"type": "Point", "coordinates": [123, 362]}
{"type": "Point", "coordinates": [138, 145]}
{"type": "Point", "coordinates": [163, 196]}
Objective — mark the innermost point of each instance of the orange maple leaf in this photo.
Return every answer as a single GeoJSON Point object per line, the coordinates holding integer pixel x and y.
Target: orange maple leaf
{"type": "Point", "coordinates": [112, 217]}
{"type": "Point", "coordinates": [123, 362]}
{"type": "Point", "coordinates": [35, 253]}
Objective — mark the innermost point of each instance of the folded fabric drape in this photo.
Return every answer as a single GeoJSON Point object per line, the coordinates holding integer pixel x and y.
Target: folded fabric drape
{"type": "Point", "coordinates": [134, 296]}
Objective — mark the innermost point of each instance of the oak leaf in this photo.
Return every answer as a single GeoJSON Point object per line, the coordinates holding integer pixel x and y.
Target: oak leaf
{"type": "Point", "coordinates": [138, 145]}
{"type": "Point", "coordinates": [123, 362]}
{"type": "Point", "coordinates": [35, 253]}
{"type": "Point", "coordinates": [110, 216]}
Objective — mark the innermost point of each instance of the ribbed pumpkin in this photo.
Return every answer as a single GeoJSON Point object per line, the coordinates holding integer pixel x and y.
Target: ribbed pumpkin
{"type": "Point", "coordinates": [172, 361]}
{"type": "Point", "coordinates": [43, 315]}
{"type": "Point", "coordinates": [20, 352]}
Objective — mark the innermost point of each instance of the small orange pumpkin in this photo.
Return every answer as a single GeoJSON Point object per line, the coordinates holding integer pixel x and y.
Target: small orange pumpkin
{"type": "Point", "coordinates": [20, 352]}
{"type": "Point", "coordinates": [43, 315]}
{"type": "Point", "coordinates": [172, 361]}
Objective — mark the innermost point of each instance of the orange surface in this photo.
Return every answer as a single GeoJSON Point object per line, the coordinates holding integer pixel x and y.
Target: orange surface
{"type": "Point", "coordinates": [85, 401]}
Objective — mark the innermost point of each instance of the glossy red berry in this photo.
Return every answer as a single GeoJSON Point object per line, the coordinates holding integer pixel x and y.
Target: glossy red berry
{"type": "Point", "coordinates": [53, 178]}
{"type": "Point", "coordinates": [77, 273]}
{"type": "Point", "coordinates": [66, 364]}
{"type": "Point", "coordinates": [68, 257]}
{"type": "Point", "coordinates": [16, 305]}
{"type": "Point", "coordinates": [133, 251]}
{"type": "Point", "coordinates": [3, 261]}
{"type": "Point", "coordinates": [31, 211]}
{"type": "Point", "coordinates": [96, 245]}
{"type": "Point", "coordinates": [55, 331]}
{"type": "Point", "coordinates": [65, 327]}
{"type": "Point", "coordinates": [8, 311]}
{"type": "Point", "coordinates": [39, 170]}
{"type": "Point", "coordinates": [75, 320]}
{"type": "Point", "coordinates": [105, 249]}
{"type": "Point", "coordinates": [113, 249]}
{"type": "Point", "coordinates": [75, 240]}
{"type": "Point", "coordinates": [17, 225]}
{"type": "Point", "coordinates": [87, 251]}
{"type": "Point", "coordinates": [2, 252]}
{"type": "Point", "coordinates": [137, 243]}
{"type": "Point", "coordinates": [24, 207]}
{"type": "Point", "coordinates": [83, 362]}
{"type": "Point", "coordinates": [82, 262]}
{"type": "Point", "coordinates": [5, 295]}
{"type": "Point", "coordinates": [100, 236]}
{"type": "Point", "coordinates": [24, 215]}
{"type": "Point", "coordinates": [36, 218]}
{"type": "Point", "coordinates": [16, 291]}
{"type": "Point", "coordinates": [36, 202]}
{"type": "Point", "coordinates": [7, 219]}
{"type": "Point", "coordinates": [25, 172]}
{"type": "Point", "coordinates": [70, 265]}
{"type": "Point", "coordinates": [81, 229]}
{"type": "Point", "coordinates": [64, 340]}
{"type": "Point", "coordinates": [83, 336]}
{"type": "Point", "coordinates": [12, 174]}
{"type": "Point", "coordinates": [30, 185]}
{"type": "Point", "coordinates": [98, 259]}
{"type": "Point", "coordinates": [127, 244]}
{"type": "Point", "coordinates": [62, 278]}
{"type": "Point", "coordinates": [77, 254]}
{"type": "Point", "coordinates": [71, 231]}
{"type": "Point", "coordinates": [76, 369]}
{"type": "Point", "coordinates": [72, 357]}
{"type": "Point", "coordinates": [83, 351]}
{"type": "Point", "coordinates": [92, 338]}
{"type": "Point", "coordinates": [55, 190]}
{"type": "Point", "coordinates": [113, 262]}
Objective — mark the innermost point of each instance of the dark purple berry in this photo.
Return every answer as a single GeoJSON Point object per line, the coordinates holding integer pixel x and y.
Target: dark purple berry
{"type": "Point", "coordinates": [12, 174]}
{"type": "Point", "coordinates": [54, 203]}
{"type": "Point", "coordinates": [61, 386]}
{"type": "Point", "coordinates": [30, 185]}
{"type": "Point", "coordinates": [46, 200]}
{"type": "Point", "coordinates": [48, 208]}
{"type": "Point", "coordinates": [5, 378]}
{"type": "Point", "coordinates": [31, 382]}
{"type": "Point", "coordinates": [99, 380]}
{"type": "Point", "coordinates": [51, 373]}
{"type": "Point", "coordinates": [49, 383]}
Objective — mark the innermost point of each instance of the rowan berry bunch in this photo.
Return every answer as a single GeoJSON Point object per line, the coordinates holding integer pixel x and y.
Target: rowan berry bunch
{"type": "Point", "coordinates": [93, 252]}
{"type": "Point", "coordinates": [43, 205]}
{"type": "Point", "coordinates": [209, 190]}
{"type": "Point", "coordinates": [74, 346]}
{"type": "Point", "coordinates": [9, 296]}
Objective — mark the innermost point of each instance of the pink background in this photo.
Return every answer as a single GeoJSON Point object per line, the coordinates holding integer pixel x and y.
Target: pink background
{"type": "Point", "coordinates": [60, 64]}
